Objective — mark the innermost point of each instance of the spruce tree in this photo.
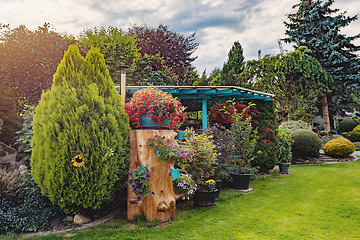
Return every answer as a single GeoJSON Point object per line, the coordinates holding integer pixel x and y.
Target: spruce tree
{"type": "Point", "coordinates": [80, 143]}
{"type": "Point", "coordinates": [317, 26]}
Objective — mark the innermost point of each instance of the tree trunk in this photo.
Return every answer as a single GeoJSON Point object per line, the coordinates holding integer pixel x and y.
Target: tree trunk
{"type": "Point", "coordinates": [325, 110]}
{"type": "Point", "coordinates": [160, 206]}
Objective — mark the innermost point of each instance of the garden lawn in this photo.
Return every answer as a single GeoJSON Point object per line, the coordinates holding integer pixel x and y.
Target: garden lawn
{"type": "Point", "coordinates": [312, 202]}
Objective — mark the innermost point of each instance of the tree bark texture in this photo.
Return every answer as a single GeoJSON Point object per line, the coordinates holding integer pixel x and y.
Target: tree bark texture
{"type": "Point", "coordinates": [325, 110]}
{"type": "Point", "coordinates": [160, 206]}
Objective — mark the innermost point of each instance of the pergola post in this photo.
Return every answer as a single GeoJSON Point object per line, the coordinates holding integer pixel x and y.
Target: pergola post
{"type": "Point", "coordinates": [204, 113]}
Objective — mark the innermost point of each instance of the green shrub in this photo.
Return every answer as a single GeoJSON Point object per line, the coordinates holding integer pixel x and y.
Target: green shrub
{"type": "Point", "coordinates": [295, 125]}
{"type": "Point", "coordinates": [32, 213]}
{"type": "Point", "coordinates": [323, 133]}
{"type": "Point", "coordinates": [357, 128]}
{"type": "Point", "coordinates": [80, 142]}
{"type": "Point", "coordinates": [332, 132]}
{"type": "Point", "coordinates": [339, 147]}
{"type": "Point", "coordinates": [306, 143]}
{"type": "Point", "coordinates": [348, 125]}
{"type": "Point", "coordinates": [267, 147]}
{"type": "Point", "coordinates": [11, 184]}
{"type": "Point", "coordinates": [353, 136]}
{"type": "Point", "coordinates": [357, 146]}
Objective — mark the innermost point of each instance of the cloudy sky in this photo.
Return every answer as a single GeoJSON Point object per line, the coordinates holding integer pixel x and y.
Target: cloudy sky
{"type": "Point", "coordinates": [256, 24]}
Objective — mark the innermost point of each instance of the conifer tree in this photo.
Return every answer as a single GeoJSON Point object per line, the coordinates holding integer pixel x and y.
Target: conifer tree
{"type": "Point", "coordinates": [80, 143]}
{"type": "Point", "coordinates": [317, 26]}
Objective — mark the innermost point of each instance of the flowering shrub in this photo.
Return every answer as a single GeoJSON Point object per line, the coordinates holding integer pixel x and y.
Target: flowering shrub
{"type": "Point", "coordinates": [159, 105]}
{"type": "Point", "coordinates": [139, 182]}
{"type": "Point", "coordinates": [185, 185]}
{"type": "Point", "coordinates": [222, 113]}
{"type": "Point", "coordinates": [285, 145]}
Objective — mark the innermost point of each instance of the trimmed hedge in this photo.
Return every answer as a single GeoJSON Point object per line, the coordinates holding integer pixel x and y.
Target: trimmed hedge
{"type": "Point", "coordinates": [348, 125]}
{"type": "Point", "coordinates": [339, 147]}
{"type": "Point", "coordinates": [306, 143]}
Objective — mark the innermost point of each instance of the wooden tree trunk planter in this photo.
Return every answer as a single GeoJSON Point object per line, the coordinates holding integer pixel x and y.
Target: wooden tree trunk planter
{"type": "Point", "coordinates": [160, 206]}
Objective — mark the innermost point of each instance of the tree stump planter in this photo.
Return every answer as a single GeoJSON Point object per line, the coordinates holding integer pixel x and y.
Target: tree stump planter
{"type": "Point", "coordinates": [161, 206]}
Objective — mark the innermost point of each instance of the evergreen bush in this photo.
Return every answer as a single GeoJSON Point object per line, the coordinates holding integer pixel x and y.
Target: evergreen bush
{"type": "Point", "coordinates": [306, 143]}
{"type": "Point", "coordinates": [340, 147]}
{"type": "Point", "coordinates": [80, 140]}
{"type": "Point", "coordinates": [348, 125]}
{"type": "Point", "coordinates": [353, 136]}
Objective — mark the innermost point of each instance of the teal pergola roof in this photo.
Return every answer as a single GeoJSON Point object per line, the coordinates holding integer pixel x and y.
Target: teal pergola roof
{"type": "Point", "coordinates": [220, 93]}
{"type": "Point", "coordinates": [205, 93]}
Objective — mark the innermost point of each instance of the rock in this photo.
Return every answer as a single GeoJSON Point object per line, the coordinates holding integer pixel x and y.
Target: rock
{"type": "Point", "coordinates": [81, 219]}
{"type": "Point", "coordinates": [8, 157]}
{"type": "Point", "coordinates": [68, 218]}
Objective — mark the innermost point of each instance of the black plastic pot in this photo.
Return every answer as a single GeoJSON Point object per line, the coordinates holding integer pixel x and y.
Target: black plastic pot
{"type": "Point", "coordinates": [205, 198]}
{"type": "Point", "coordinates": [240, 181]}
{"type": "Point", "coordinates": [284, 168]}
{"type": "Point", "coordinates": [218, 187]}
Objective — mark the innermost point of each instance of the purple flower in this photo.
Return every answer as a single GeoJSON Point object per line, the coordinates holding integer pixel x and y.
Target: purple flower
{"type": "Point", "coordinates": [131, 181]}
{"type": "Point", "coordinates": [127, 185]}
{"type": "Point", "coordinates": [147, 176]}
{"type": "Point", "coordinates": [137, 184]}
{"type": "Point", "coordinates": [134, 190]}
{"type": "Point", "coordinates": [142, 178]}
{"type": "Point", "coordinates": [152, 193]}
{"type": "Point", "coordinates": [130, 174]}
{"type": "Point", "coordinates": [138, 198]}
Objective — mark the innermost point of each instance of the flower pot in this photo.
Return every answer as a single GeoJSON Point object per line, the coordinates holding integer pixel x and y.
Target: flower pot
{"type": "Point", "coordinates": [175, 173]}
{"type": "Point", "coordinates": [284, 168]}
{"type": "Point", "coordinates": [158, 152]}
{"type": "Point", "coordinates": [180, 135]}
{"type": "Point", "coordinates": [143, 168]}
{"type": "Point", "coordinates": [241, 181]}
{"type": "Point", "coordinates": [146, 122]}
{"type": "Point", "coordinates": [218, 187]}
{"type": "Point", "coordinates": [204, 198]}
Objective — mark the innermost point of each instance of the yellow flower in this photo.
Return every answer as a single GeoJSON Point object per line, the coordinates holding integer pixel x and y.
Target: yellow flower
{"type": "Point", "coordinates": [210, 181]}
{"type": "Point", "coordinates": [78, 160]}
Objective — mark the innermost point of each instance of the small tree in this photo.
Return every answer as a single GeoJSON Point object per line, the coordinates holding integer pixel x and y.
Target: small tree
{"type": "Point", "coordinates": [80, 141]}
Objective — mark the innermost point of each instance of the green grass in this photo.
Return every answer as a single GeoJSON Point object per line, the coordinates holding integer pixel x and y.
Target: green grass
{"type": "Point", "coordinates": [313, 202]}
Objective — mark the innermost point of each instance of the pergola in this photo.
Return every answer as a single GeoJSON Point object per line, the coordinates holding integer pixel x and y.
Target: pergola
{"type": "Point", "coordinates": [206, 93]}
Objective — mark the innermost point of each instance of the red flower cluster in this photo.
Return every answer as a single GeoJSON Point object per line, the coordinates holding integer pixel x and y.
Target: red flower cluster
{"type": "Point", "coordinates": [159, 105]}
{"type": "Point", "coordinates": [223, 113]}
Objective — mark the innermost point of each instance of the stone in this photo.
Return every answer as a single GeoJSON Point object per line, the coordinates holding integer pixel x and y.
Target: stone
{"type": "Point", "coordinates": [81, 219]}
{"type": "Point", "coordinates": [68, 218]}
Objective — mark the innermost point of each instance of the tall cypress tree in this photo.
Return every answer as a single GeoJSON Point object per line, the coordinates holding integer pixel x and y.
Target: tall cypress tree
{"type": "Point", "coordinates": [80, 143]}
{"type": "Point", "coordinates": [317, 26]}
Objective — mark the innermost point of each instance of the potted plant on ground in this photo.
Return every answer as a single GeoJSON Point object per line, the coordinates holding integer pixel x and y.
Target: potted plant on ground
{"type": "Point", "coordinates": [244, 139]}
{"type": "Point", "coordinates": [285, 155]}
{"type": "Point", "coordinates": [204, 156]}
{"type": "Point", "coordinates": [207, 194]}
{"type": "Point", "coordinates": [151, 107]}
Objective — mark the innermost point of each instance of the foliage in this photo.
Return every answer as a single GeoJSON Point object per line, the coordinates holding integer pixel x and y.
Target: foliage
{"type": "Point", "coordinates": [301, 115]}
{"type": "Point", "coordinates": [232, 68]}
{"type": "Point", "coordinates": [332, 132]}
{"type": "Point", "coordinates": [175, 48]}
{"type": "Point", "coordinates": [244, 139]}
{"type": "Point", "coordinates": [295, 125]}
{"type": "Point", "coordinates": [150, 70]}
{"type": "Point", "coordinates": [23, 143]}
{"type": "Point", "coordinates": [353, 136]}
{"type": "Point", "coordinates": [140, 183]}
{"type": "Point", "coordinates": [11, 184]}
{"type": "Point", "coordinates": [340, 147]}
{"type": "Point", "coordinates": [82, 114]}
{"type": "Point", "coordinates": [267, 147]}
{"type": "Point", "coordinates": [185, 185]}
{"type": "Point", "coordinates": [208, 185]}
{"type": "Point", "coordinates": [29, 59]}
{"type": "Point", "coordinates": [204, 155]}
{"type": "Point", "coordinates": [306, 143]}
{"type": "Point", "coordinates": [323, 133]}
{"type": "Point", "coordinates": [319, 28]}
{"type": "Point", "coordinates": [158, 104]}
{"type": "Point", "coordinates": [222, 113]}
{"type": "Point", "coordinates": [357, 128]}
{"type": "Point", "coordinates": [32, 213]}
{"type": "Point", "coordinates": [348, 125]}
{"type": "Point", "coordinates": [8, 113]}
{"type": "Point", "coordinates": [285, 145]}
{"type": "Point", "coordinates": [118, 48]}
{"type": "Point", "coordinates": [221, 137]}
{"type": "Point", "coordinates": [357, 146]}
